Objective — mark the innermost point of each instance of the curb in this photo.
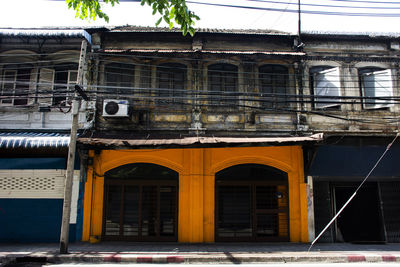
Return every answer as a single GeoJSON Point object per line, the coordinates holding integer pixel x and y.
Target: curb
{"type": "Point", "coordinates": [192, 258]}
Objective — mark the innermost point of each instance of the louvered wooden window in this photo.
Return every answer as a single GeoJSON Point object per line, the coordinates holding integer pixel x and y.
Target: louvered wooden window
{"type": "Point", "coordinates": [273, 86]}
{"type": "Point", "coordinates": [171, 80]}
{"type": "Point", "coordinates": [223, 85]}
{"type": "Point", "coordinates": [120, 78]}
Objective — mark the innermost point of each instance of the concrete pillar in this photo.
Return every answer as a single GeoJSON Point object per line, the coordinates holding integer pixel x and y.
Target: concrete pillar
{"type": "Point", "coordinates": [310, 209]}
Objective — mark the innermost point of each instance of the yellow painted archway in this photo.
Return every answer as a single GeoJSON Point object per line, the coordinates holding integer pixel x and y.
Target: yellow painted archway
{"type": "Point", "coordinates": [197, 168]}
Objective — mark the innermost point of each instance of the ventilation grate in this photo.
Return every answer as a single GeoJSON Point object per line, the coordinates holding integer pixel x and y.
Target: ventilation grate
{"type": "Point", "coordinates": [31, 183]}
{"type": "Point", "coordinates": [27, 183]}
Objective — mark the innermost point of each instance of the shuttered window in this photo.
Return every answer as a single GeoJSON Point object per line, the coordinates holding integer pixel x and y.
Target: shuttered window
{"type": "Point", "coordinates": [376, 87]}
{"type": "Point", "coordinates": [56, 85]}
{"type": "Point", "coordinates": [64, 86]}
{"type": "Point", "coordinates": [171, 80]}
{"type": "Point", "coordinates": [120, 78]}
{"type": "Point", "coordinates": [223, 84]}
{"type": "Point", "coordinates": [325, 84]}
{"type": "Point", "coordinates": [15, 85]}
{"type": "Point", "coordinates": [273, 82]}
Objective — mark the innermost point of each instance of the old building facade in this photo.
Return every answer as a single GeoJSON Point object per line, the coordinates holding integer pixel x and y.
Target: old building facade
{"type": "Point", "coordinates": [217, 137]}
{"type": "Point", "coordinates": [229, 135]}
{"type": "Point", "coordinates": [38, 69]}
{"type": "Point", "coordinates": [361, 122]}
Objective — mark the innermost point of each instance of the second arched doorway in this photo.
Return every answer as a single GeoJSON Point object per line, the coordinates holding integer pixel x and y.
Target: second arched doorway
{"type": "Point", "coordinates": [251, 204]}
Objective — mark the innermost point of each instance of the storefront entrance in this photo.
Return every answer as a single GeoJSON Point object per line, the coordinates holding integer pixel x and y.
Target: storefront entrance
{"type": "Point", "coordinates": [251, 204]}
{"type": "Point", "coordinates": [196, 195]}
{"type": "Point", "coordinates": [140, 203]}
{"type": "Point", "coordinates": [361, 221]}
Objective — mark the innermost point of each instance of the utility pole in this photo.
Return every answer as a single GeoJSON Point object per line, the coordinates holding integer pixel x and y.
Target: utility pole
{"type": "Point", "coordinates": [71, 157]}
{"type": "Point", "coordinates": [299, 21]}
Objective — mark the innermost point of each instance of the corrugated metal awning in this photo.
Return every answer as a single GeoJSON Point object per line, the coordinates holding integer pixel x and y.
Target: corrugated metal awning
{"type": "Point", "coordinates": [198, 140]}
{"type": "Point", "coordinates": [33, 140]}
{"type": "Point", "coordinates": [238, 52]}
{"type": "Point", "coordinates": [146, 29]}
{"type": "Point", "coordinates": [47, 32]}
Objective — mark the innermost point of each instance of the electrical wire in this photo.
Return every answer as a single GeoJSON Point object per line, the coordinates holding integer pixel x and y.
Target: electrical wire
{"type": "Point", "coordinates": [367, 2]}
{"type": "Point", "coordinates": [312, 12]}
{"type": "Point", "coordinates": [227, 101]}
{"type": "Point", "coordinates": [323, 5]}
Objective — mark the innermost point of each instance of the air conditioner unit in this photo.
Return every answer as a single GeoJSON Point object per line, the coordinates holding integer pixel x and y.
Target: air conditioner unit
{"type": "Point", "coordinates": [115, 108]}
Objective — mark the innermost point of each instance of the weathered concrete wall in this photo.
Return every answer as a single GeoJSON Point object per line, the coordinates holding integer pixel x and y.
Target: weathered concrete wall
{"type": "Point", "coordinates": [297, 116]}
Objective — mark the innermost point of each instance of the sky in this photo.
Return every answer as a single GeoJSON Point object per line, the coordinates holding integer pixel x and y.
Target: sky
{"type": "Point", "coordinates": [53, 13]}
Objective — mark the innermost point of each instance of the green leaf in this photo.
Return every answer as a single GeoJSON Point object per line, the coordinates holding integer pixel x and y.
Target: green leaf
{"type": "Point", "coordinates": [170, 10]}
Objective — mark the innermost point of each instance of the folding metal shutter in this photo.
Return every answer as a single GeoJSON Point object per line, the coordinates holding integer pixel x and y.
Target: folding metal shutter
{"type": "Point", "coordinates": [390, 194]}
{"type": "Point", "coordinates": [322, 210]}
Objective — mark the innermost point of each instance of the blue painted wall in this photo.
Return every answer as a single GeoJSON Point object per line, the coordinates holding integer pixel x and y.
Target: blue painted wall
{"type": "Point", "coordinates": [32, 220]}
{"type": "Point", "coordinates": [79, 215]}
{"type": "Point", "coordinates": [32, 163]}
{"type": "Point", "coordinates": [37, 163]}
{"type": "Point", "coordinates": [36, 220]}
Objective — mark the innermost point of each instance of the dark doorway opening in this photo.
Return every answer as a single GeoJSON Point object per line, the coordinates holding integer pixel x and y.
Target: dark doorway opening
{"type": "Point", "coordinates": [140, 203]}
{"type": "Point", "coordinates": [251, 204]}
{"type": "Point", "coordinates": [361, 221]}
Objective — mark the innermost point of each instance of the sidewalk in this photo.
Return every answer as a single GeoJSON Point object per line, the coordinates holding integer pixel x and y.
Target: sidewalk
{"type": "Point", "coordinates": [199, 253]}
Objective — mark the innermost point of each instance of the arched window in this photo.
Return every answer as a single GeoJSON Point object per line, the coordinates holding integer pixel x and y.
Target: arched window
{"type": "Point", "coordinates": [375, 84]}
{"type": "Point", "coordinates": [273, 86]}
{"type": "Point", "coordinates": [223, 84]}
{"type": "Point", "coordinates": [171, 83]}
{"type": "Point", "coordinates": [120, 78]}
{"type": "Point", "coordinates": [325, 87]}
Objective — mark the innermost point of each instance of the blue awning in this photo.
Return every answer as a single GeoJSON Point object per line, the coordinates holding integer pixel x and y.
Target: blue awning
{"type": "Point", "coordinates": [33, 140]}
{"type": "Point", "coordinates": [355, 161]}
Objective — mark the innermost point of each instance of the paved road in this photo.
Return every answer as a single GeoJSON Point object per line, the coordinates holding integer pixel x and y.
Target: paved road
{"type": "Point", "coordinates": [14, 255]}
{"type": "Point", "coordinates": [242, 265]}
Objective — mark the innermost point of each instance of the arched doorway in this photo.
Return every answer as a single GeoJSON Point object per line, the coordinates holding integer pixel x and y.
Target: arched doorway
{"type": "Point", "coordinates": [140, 203]}
{"type": "Point", "coordinates": [251, 204]}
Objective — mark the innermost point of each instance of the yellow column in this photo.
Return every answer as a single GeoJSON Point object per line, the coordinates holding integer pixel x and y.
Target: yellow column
{"type": "Point", "coordinates": [294, 197]}
{"type": "Point", "coordinates": [191, 197]}
{"type": "Point", "coordinates": [97, 209]}
{"type": "Point", "coordinates": [209, 197]}
{"type": "Point", "coordinates": [93, 202]}
{"type": "Point", "coordinates": [209, 208]}
{"type": "Point", "coordinates": [298, 199]}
